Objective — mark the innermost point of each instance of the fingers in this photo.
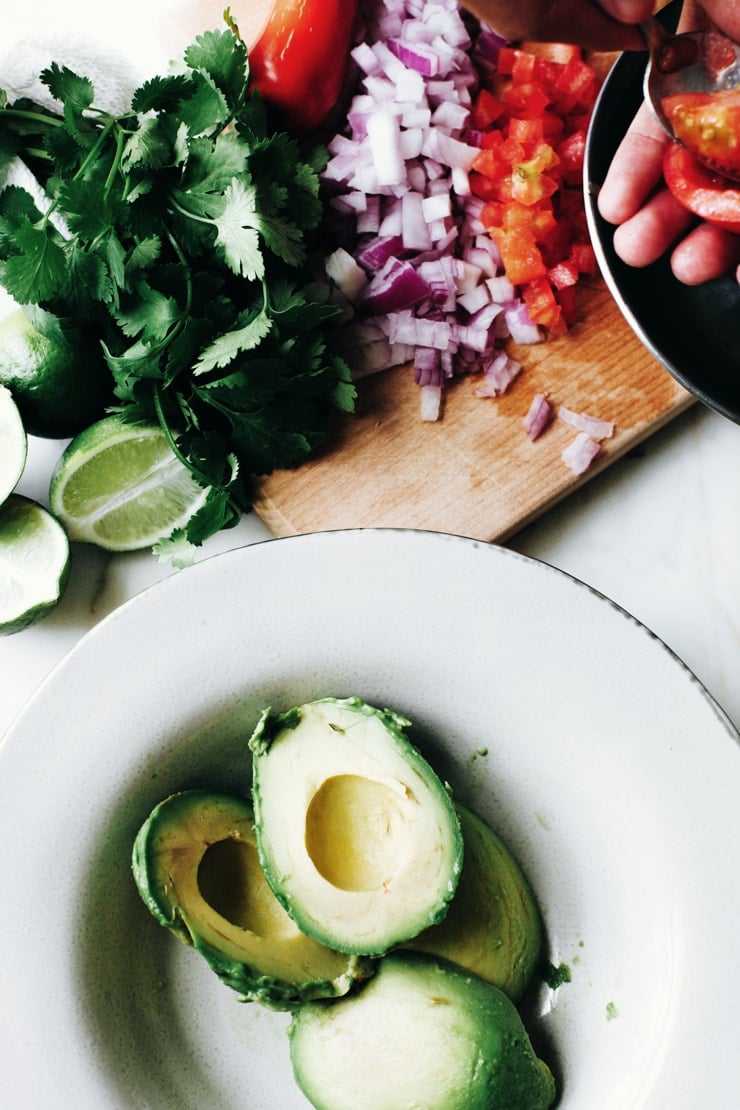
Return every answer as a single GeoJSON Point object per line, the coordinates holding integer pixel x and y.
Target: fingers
{"type": "Point", "coordinates": [706, 253]}
{"type": "Point", "coordinates": [635, 170]}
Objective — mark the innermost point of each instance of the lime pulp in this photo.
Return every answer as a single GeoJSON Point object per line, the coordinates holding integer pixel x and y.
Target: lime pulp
{"type": "Point", "coordinates": [121, 487]}
{"type": "Point", "coordinates": [34, 563]}
{"type": "Point", "coordinates": [13, 444]}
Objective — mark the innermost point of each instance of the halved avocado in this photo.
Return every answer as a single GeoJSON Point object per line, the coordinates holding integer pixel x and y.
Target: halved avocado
{"type": "Point", "coordinates": [357, 835]}
{"type": "Point", "coordinates": [493, 926]}
{"type": "Point", "coordinates": [421, 1033]}
{"type": "Point", "coordinates": [196, 867]}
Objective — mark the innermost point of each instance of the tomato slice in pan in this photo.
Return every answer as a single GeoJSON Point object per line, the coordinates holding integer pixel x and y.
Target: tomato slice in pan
{"type": "Point", "coordinates": [707, 124]}
{"type": "Point", "coordinates": [710, 196]}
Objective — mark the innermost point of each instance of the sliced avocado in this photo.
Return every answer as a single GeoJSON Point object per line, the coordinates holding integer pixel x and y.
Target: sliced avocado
{"type": "Point", "coordinates": [421, 1033]}
{"type": "Point", "coordinates": [196, 867]}
{"type": "Point", "coordinates": [493, 926]}
{"type": "Point", "coordinates": [357, 835]}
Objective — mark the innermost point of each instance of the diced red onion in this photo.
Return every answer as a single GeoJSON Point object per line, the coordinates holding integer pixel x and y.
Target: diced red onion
{"type": "Point", "coordinates": [431, 402]}
{"type": "Point", "coordinates": [417, 55]}
{"type": "Point", "coordinates": [519, 323]}
{"type": "Point", "coordinates": [539, 415]}
{"type": "Point", "coordinates": [346, 274]}
{"type": "Point", "coordinates": [498, 375]}
{"type": "Point", "coordinates": [593, 426]}
{"type": "Point", "coordinates": [396, 285]}
{"type": "Point", "coordinates": [580, 453]}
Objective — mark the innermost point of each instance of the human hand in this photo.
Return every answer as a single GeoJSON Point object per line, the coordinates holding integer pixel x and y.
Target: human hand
{"type": "Point", "coordinates": [649, 220]}
{"type": "Point", "coordinates": [594, 24]}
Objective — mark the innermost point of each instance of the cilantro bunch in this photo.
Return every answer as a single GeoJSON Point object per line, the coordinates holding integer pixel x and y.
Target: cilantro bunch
{"type": "Point", "coordinates": [178, 236]}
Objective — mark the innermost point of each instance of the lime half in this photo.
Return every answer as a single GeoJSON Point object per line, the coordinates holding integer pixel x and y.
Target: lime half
{"type": "Point", "coordinates": [13, 444]}
{"type": "Point", "coordinates": [34, 563]}
{"type": "Point", "coordinates": [121, 487]}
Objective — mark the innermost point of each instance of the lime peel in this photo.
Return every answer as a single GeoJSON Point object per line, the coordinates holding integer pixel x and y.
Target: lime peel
{"type": "Point", "coordinates": [34, 563]}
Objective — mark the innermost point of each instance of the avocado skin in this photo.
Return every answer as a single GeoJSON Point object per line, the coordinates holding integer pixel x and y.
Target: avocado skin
{"type": "Point", "coordinates": [422, 1035]}
{"type": "Point", "coordinates": [493, 926]}
{"type": "Point", "coordinates": [167, 853]}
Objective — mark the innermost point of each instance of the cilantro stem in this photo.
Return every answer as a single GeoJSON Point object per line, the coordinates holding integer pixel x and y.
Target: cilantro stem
{"type": "Point", "coordinates": [186, 272]}
{"type": "Point", "coordinates": [199, 476]}
{"type": "Point", "coordinates": [33, 117]}
{"type": "Point", "coordinates": [115, 165]}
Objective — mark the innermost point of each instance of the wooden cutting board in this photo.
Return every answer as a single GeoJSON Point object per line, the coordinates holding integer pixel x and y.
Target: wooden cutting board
{"type": "Point", "coordinates": [475, 472]}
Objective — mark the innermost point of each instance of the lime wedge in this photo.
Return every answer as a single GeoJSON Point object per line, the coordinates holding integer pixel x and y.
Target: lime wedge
{"type": "Point", "coordinates": [13, 444]}
{"type": "Point", "coordinates": [121, 487]}
{"type": "Point", "coordinates": [34, 563]}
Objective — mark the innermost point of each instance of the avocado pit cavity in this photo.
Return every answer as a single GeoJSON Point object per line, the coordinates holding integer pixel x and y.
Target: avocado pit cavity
{"type": "Point", "coordinates": [230, 880]}
{"type": "Point", "coordinates": [358, 832]}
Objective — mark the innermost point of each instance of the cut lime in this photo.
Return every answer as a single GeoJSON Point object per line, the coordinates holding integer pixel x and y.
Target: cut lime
{"type": "Point", "coordinates": [13, 444]}
{"type": "Point", "coordinates": [34, 563]}
{"type": "Point", "coordinates": [120, 486]}
{"type": "Point", "coordinates": [59, 388]}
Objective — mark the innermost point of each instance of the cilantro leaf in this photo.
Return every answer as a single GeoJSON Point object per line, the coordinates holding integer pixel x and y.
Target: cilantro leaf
{"type": "Point", "coordinates": [236, 227]}
{"type": "Point", "coordinates": [150, 316]}
{"type": "Point", "coordinates": [39, 272]}
{"type": "Point", "coordinates": [161, 94]}
{"type": "Point", "coordinates": [223, 56]}
{"type": "Point", "coordinates": [226, 347]}
{"type": "Point", "coordinates": [176, 238]}
{"type": "Point", "coordinates": [148, 146]}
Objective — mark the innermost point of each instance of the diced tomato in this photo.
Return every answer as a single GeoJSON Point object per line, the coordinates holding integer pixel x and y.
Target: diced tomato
{"type": "Point", "coordinates": [571, 152]}
{"type": "Point", "coordinates": [531, 157]}
{"type": "Point", "coordinates": [563, 274]}
{"type": "Point", "coordinates": [529, 99]}
{"type": "Point", "coordinates": [541, 303]}
{"type": "Point", "coordinates": [530, 188]}
{"type": "Point", "coordinates": [520, 254]}
{"type": "Point", "coordinates": [708, 195]}
{"type": "Point", "coordinates": [526, 131]}
{"type": "Point", "coordinates": [486, 109]}
{"type": "Point", "coordinates": [583, 257]}
{"type": "Point", "coordinates": [505, 62]}
{"type": "Point", "coordinates": [566, 298]}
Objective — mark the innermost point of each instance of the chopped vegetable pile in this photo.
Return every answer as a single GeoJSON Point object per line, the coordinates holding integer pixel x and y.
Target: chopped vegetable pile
{"type": "Point", "coordinates": [456, 192]}
{"type": "Point", "coordinates": [184, 238]}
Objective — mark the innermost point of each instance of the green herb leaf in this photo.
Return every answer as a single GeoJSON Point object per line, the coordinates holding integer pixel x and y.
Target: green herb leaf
{"type": "Point", "coordinates": [176, 239]}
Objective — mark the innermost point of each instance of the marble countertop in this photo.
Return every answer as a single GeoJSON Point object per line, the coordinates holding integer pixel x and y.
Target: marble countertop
{"type": "Point", "coordinates": [658, 532]}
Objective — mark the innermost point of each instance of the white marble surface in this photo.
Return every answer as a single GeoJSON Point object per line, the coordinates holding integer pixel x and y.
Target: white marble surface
{"type": "Point", "coordinates": [658, 532]}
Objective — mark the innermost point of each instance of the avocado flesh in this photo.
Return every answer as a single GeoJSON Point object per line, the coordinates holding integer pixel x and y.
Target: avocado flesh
{"type": "Point", "coordinates": [196, 866]}
{"type": "Point", "coordinates": [421, 1035]}
{"type": "Point", "coordinates": [493, 926]}
{"type": "Point", "coordinates": [357, 835]}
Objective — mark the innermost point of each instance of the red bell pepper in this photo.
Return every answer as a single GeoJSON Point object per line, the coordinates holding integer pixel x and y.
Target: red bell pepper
{"type": "Point", "coordinates": [299, 60]}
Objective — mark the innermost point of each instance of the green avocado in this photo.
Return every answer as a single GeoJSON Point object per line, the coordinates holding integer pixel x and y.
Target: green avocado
{"type": "Point", "coordinates": [196, 867]}
{"type": "Point", "coordinates": [493, 926]}
{"type": "Point", "coordinates": [422, 1034]}
{"type": "Point", "coordinates": [358, 837]}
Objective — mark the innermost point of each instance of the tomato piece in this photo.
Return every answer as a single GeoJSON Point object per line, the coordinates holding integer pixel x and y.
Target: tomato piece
{"type": "Point", "coordinates": [707, 124]}
{"type": "Point", "coordinates": [520, 255]}
{"type": "Point", "coordinates": [710, 196]}
{"type": "Point", "coordinates": [541, 303]}
{"type": "Point", "coordinates": [486, 109]}
{"type": "Point", "coordinates": [571, 152]}
{"type": "Point", "coordinates": [299, 60]}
